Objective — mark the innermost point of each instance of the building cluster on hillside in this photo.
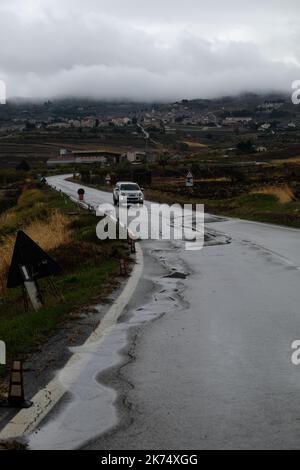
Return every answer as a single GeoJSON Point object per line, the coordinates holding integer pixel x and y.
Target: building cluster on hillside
{"type": "Point", "coordinates": [236, 121]}
{"type": "Point", "coordinates": [101, 157]}
{"type": "Point", "coordinates": [167, 118]}
{"type": "Point", "coordinates": [269, 106]}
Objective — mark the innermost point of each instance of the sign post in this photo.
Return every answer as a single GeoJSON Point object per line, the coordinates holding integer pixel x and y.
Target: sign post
{"type": "Point", "coordinates": [2, 353]}
{"type": "Point", "coordinates": [30, 263]}
{"type": "Point", "coordinates": [16, 396]}
{"type": "Point", "coordinates": [31, 289]}
{"type": "Point", "coordinates": [189, 182]}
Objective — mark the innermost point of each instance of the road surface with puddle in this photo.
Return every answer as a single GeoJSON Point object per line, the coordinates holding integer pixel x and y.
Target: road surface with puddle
{"type": "Point", "coordinates": [201, 357]}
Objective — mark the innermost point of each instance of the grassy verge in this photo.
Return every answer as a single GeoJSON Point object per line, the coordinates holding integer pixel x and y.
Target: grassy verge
{"type": "Point", "coordinates": [254, 206]}
{"type": "Point", "coordinates": [68, 234]}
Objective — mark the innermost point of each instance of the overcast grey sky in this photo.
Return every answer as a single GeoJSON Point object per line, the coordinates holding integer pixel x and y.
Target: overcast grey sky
{"type": "Point", "coordinates": [148, 50]}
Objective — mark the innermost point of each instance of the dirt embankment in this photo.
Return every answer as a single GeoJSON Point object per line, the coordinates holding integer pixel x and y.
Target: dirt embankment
{"type": "Point", "coordinates": [283, 193]}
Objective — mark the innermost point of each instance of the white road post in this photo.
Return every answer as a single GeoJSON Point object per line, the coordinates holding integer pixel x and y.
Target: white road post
{"type": "Point", "coordinates": [2, 353]}
{"type": "Point", "coordinates": [31, 289]}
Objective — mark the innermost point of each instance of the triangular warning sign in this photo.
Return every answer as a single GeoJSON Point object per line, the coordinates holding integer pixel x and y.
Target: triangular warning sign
{"type": "Point", "coordinates": [28, 253]}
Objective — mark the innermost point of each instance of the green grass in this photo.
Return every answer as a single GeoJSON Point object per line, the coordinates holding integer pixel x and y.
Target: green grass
{"type": "Point", "coordinates": [23, 331]}
{"type": "Point", "coordinates": [256, 207]}
{"type": "Point", "coordinates": [88, 269]}
{"type": "Point", "coordinates": [259, 207]}
{"type": "Point", "coordinates": [34, 204]}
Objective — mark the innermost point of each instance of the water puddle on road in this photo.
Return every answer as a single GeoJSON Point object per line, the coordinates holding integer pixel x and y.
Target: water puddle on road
{"type": "Point", "coordinates": [89, 408]}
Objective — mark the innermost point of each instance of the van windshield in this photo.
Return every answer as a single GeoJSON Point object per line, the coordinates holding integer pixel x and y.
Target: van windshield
{"type": "Point", "coordinates": [129, 187]}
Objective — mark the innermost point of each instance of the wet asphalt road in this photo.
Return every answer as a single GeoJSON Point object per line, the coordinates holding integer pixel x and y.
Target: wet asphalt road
{"type": "Point", "coordinates": [203, 360]}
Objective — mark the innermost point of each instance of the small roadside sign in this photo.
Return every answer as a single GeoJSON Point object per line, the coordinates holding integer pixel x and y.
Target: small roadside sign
{"type": "Point", "coordinates": [31, 256]}
{"type": "Point", "coordinates": [189, 181]}
{"type": "Point", "coordinates": [30, 263]}
{"type": "Point", "coordinates": [81, 193]}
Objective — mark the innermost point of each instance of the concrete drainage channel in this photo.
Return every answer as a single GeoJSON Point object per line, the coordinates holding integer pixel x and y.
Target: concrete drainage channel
{"type": "Point", "coordinates": [26, 421]}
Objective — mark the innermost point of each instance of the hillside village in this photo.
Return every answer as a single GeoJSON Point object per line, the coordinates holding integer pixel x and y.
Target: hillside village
{"type": "Point", "coordinates": [144, 133]}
